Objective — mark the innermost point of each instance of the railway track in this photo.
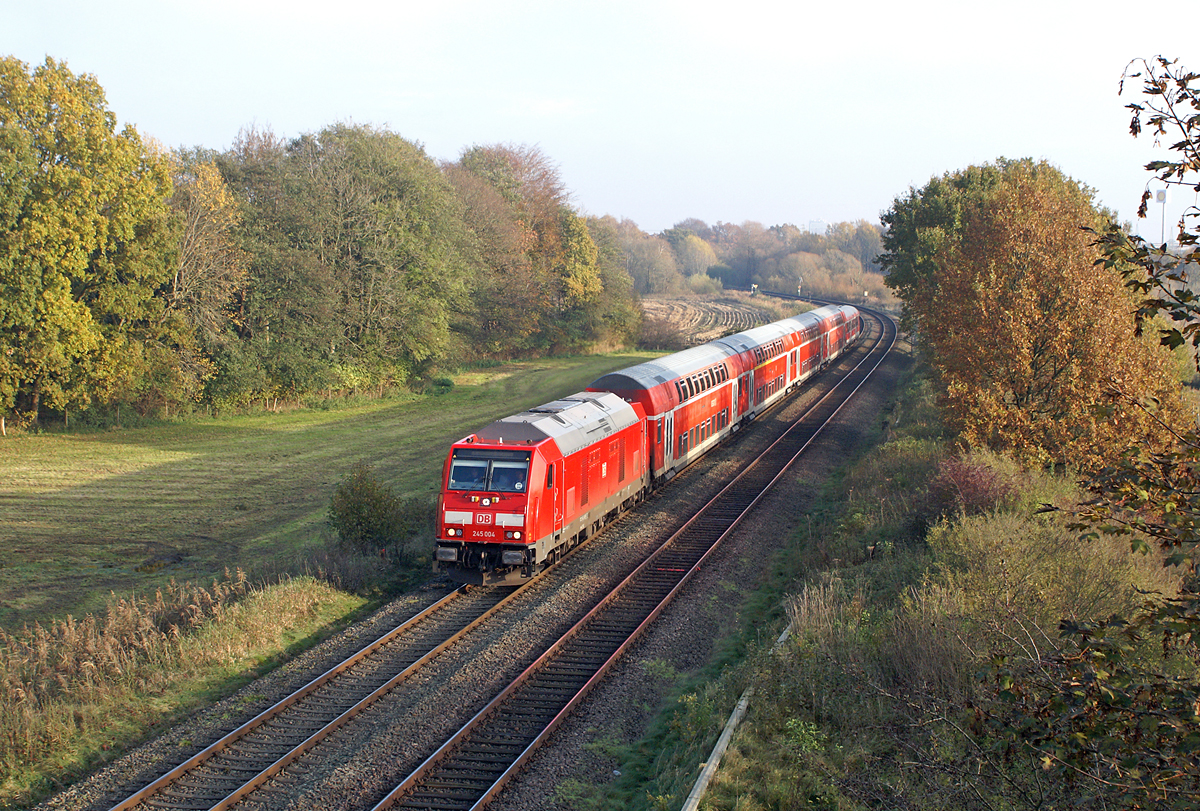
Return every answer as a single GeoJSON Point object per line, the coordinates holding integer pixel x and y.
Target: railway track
{"type": "Point", "coordinates": [259, 752]}
{"type": "Point", "coordinates": [476, 762]}
{"type": "Point", "coordinates": [240, 762]}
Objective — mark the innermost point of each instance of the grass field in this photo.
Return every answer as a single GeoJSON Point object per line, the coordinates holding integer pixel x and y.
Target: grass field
{"type": "Point", "coordinates": [83, 515]}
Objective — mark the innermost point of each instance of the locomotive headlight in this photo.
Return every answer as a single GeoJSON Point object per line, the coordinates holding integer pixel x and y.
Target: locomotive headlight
{"type": "Point", "coordinates": [513, 535]}
{"type": "Point", "coordinates": [487, 502]}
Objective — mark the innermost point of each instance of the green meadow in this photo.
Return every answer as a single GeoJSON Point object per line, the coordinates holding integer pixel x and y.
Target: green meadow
{"type": "Point", "coordinates": [124, 511]}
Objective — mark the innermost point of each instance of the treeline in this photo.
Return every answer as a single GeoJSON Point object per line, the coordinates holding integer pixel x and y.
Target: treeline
{"type": "Point", "coordinates": [694, 257]}
{"type": "Point", "coordinates": [337, 262]}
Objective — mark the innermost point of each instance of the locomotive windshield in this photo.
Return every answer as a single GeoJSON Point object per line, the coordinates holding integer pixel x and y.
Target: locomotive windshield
{"type": "Point", "coordinates": [489, 469]}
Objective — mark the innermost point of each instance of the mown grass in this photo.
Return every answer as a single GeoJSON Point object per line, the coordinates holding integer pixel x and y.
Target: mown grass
{"type": "Point", "coordinates": [85, 515]}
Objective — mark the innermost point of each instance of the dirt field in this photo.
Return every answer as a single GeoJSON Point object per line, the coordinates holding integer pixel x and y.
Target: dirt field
{"type": "Point", "coordinates": [703, 319]}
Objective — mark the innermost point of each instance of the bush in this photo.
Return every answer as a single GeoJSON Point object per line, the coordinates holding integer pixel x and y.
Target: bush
{"type": "Point", "coordinates": [661, 333]}
{"type": "Point", "coordinates": [368, 517]}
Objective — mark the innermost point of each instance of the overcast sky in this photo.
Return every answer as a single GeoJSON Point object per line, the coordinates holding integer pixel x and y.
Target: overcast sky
{"type": "Point", "coordinates": [654, 110]}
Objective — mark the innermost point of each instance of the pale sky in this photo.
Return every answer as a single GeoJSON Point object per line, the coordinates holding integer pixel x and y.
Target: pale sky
{"type": "Point", "coordinates": [654, 110]}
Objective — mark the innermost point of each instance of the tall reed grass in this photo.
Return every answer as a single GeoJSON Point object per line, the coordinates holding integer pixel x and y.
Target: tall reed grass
{"type": "Point", "coordinates": [74, 692]}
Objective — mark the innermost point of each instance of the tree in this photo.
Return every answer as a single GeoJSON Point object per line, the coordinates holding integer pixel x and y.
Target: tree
{"type": "Point", "coordinates": [1025, 330]}
{"type": "Point", "coordinates": [561, 277]}
{"type": "Point", "coordinates": [693, 255]}
{"type": "Point", "coordinates": [85, 240]}
{"type": "Point", "coordinates": [507, 296]}
{"type": "Point", "coordinates": [617, 310]}
{"type": "Point", "coordinates": [1117, 712]}
{"type": "Point", "coordinates": [359, 258]}
{"type": "Point", "coordinates": [210, 273]}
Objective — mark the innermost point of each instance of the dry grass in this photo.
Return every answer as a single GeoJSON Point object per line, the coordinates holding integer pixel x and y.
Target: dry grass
{"type": "Point", "coordinates": [934, 563]}
{"type": "Point", "coordinates": [76, 692]}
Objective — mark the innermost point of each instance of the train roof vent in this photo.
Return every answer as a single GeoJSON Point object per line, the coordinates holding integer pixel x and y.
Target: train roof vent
{"type": "Point", "coordinates": [555, 407]}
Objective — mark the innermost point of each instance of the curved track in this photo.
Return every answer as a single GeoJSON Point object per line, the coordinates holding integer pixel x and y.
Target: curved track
{"type": "Point", "coordinates": [476, 762]}
{"type": "Point", "coordinates": [483, 755]}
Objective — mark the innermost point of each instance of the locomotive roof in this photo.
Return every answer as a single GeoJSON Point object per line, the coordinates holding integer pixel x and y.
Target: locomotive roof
{"type": "Point", "coordinates": [573, 422]}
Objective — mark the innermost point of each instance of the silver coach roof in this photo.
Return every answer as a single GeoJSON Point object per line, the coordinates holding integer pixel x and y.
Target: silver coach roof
{"type": "Point", "coordinates": [757, 336]}
{"type": "Point", "coordinates": [573, 422]}
{"type": "Point", "coordinates": [671, 367]}
{"type": "Point", "coordinates": [648, 375]}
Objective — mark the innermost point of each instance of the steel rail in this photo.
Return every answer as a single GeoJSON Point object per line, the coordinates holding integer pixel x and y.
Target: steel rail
{"type": "Point", "coordinates": [656, 566]}
{"type": "Point", "coordinates": [279, 708]}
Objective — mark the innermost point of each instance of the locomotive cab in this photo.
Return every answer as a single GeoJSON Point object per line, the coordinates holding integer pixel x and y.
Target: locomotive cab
{"type": "Point", "coordinates": [484, 505]}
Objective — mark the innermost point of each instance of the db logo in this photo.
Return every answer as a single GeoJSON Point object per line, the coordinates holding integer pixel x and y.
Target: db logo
{"type": "Point", "coordinates": [483, 518]}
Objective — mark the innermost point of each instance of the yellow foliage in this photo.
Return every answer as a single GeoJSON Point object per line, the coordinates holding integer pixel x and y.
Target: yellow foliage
{"type": "Point", "coordinates": [1031, 338]}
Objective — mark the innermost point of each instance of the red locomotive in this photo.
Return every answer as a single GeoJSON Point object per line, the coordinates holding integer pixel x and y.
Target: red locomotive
{"type": "Point", "coordinates": [519, 493]}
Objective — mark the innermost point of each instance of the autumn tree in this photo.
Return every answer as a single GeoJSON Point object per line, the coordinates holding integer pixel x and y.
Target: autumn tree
{"type": "Point", "coordinates": [210, 271]}
{"type": "Point", "coordinates": [617, 315]}
{"type": "Point", "coordinates": [560, 273]}
{"type": "Point", "coordinates": [1117, 711]}
{"type": "Point", "coordinates": [650, 261]}
{"type": "Point", "coordinates": [506, 296]}
{"type": "Point", "coordinates": [86, 243]}
{"type": "Point", "coordinates": [1026, 332]}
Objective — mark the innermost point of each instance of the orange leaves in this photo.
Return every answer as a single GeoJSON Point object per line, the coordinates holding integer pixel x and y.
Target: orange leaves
{"type": "Point", "coordinates": [1023, 327]}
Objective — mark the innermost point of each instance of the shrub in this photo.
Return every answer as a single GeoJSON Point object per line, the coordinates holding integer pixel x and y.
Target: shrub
{"type": "Point", "coordinates": [661, 333]}
{"type": "Point", "coordinates": [368, 517]}
{"type": "Point", "coordinates": [969, 486]}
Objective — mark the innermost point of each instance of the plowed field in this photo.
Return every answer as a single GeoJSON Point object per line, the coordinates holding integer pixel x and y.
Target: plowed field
{"type": "Point", "coordinates": [705, 319]}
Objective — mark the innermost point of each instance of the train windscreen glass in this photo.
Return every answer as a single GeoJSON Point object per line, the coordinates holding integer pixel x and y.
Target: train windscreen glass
{"type": "Point", "coordinates": [489, 469]}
